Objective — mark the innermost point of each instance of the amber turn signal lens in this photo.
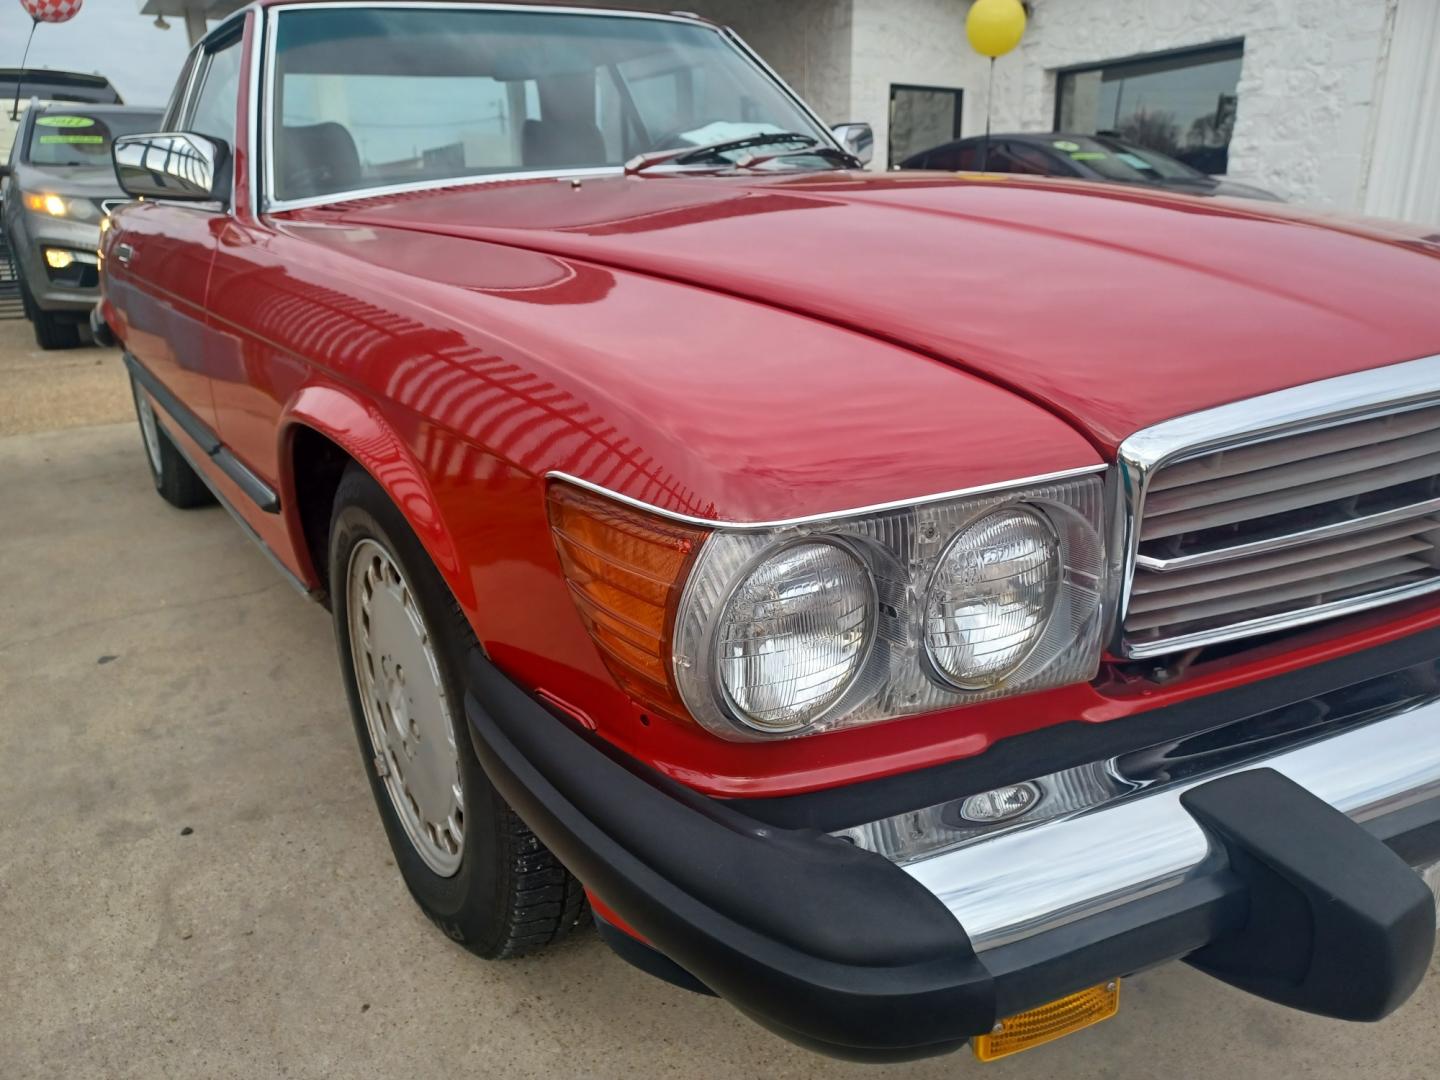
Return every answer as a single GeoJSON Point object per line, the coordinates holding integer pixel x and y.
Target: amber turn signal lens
{"type": "Point", "coordinates": [626, 569]}
{"type": "Point", "coordinates": [1035, 1027]}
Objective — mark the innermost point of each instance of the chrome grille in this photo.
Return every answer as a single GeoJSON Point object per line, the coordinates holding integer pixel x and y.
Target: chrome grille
{"type": "Point", "coordinates": [1257, 517]}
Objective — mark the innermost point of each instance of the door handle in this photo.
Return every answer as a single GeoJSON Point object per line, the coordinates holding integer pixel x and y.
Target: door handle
{"type": "Point", "coordinates": [124, 253]}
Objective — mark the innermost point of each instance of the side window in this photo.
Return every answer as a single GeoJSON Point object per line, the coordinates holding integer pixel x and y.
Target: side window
{"type": "Point", "coordinates": [1017, 157]}
{"type": "Point", "coordinates": [171, 119]}
{"type": "Point", "coordinates": [947, 159]}
{"type": "Point", "coordinates": [1028, 159]}
{"type": "Point", "coordinates": [22, 139]}
{"type": "Point", "coordinates": [956, 159]}
{"type": "Point", "coordinates": [213, 112]}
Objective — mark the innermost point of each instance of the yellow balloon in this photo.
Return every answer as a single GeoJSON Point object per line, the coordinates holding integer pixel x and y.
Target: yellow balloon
{"type": "Point", "coordinates": [994, 27]}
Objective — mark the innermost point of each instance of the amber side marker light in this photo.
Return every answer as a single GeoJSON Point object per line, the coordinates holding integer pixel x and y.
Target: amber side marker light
{"type": "Point", "coordinates": [626, 569]}
{"type": "Point", "coordinates": [1038, 1026]}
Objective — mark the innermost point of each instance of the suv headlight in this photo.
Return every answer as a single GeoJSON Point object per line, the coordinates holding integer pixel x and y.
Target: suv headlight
{"type": "Point", "coordinates": [60, 206]}
{"type": "Point", "coordinates": [775, 631]}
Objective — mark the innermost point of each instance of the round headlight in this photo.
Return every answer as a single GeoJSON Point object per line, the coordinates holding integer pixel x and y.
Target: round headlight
{"type": "Point", "coordinates": [991, 596]}
{"type": "Point", "coordinates": [794, 634]}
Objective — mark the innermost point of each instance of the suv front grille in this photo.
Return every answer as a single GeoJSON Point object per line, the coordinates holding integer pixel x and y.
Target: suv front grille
{"type": "Point", "coordinates": [1284, 524]}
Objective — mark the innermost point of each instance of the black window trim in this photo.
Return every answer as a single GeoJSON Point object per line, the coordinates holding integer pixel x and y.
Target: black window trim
{"type": "Point", "coordinates": [219, 39]}
{"type": "Point", "coordinates": [230, 32]}
{"type": "Point", "coordinates": [175, 105]}
{"type": "Point", "coordinates": [1182, 53]}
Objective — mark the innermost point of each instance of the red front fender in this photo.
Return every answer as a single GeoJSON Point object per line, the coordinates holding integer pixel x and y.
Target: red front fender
{"type": "Point", "coordinates": [368, 437]}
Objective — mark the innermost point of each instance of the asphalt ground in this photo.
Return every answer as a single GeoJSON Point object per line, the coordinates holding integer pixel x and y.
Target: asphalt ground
{"type": "Point", "coordinates": [194, 882]}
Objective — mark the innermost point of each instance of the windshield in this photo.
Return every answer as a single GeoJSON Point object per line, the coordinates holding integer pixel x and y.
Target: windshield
{"type": "Point", "coordinates": [371, 97]}
{"type": "Point", "coordinates": [1167, 167]}
{"type": "Point", "coordinates": [1115, 160]}
{"type": "Point", "coordinates": [77, 137]}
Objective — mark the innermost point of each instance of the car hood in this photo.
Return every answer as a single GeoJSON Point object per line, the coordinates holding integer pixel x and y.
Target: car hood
{"type": "Point", "coordinates": [84, 181]}
{"type": "Point", "coordinates": [1113, 307]}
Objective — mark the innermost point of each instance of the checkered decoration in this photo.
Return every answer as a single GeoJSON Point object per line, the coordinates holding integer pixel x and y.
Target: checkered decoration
{"type": "Point", "coordinates": [52, 11]}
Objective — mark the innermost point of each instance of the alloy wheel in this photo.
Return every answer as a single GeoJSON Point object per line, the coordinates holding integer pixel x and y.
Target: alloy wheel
{"type": "Point", "coordinates": [407, 710]}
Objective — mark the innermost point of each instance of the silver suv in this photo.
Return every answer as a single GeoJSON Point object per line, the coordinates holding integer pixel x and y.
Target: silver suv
{"type": "Point", "coordinates": [58, 185]}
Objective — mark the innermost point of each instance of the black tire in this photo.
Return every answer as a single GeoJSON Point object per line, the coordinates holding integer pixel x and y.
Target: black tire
{"type": "Point", "coordinates": [51, 331]}
{"type": "Point", "coordinates": [509, 895]}
{"type": "Point", "coordinates": [177, 483]}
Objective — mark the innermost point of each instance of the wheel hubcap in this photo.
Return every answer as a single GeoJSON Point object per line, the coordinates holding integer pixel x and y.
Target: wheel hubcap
{"type": "Point", "coordinates": [406, 709]}
{"type": "Point", "coordinates": [149, 429]}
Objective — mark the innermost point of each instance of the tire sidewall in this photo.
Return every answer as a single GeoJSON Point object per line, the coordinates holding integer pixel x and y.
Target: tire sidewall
{"type": "Point", "coordinates": [155, 477]}
{"type": "Point", "coordinates": [468, 905]}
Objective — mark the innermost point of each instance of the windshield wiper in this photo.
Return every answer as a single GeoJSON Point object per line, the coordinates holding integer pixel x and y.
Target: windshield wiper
{"type": "Point", "coordinates": [686, 155]}
{"type": "Point", "coordinates": [842, 158]}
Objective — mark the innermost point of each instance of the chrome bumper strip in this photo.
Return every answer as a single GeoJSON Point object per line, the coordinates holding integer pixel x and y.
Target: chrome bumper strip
{"type": "Point", "coordinates": [1027, 881]}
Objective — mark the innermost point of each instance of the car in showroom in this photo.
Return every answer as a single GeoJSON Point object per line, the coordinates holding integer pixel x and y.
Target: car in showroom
{"type": "Point", "coordinates": [1084, 157]}
{"type": "Point", "coordinates": [57, 186]}
{"type": "Point", "coordinates": [901, 604]}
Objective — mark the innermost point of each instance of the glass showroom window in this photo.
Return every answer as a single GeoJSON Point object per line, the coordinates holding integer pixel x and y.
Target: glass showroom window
{"type": "Point", "coordinates": [1179, 103]}
{"type": "Point", "coordinates": [922, 117]}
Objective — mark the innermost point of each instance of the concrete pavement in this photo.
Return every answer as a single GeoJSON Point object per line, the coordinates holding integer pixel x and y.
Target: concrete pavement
{"type": "Point", "coordinates": [43, 391]}
{"type": "Point", "coordinates": [194, 882]}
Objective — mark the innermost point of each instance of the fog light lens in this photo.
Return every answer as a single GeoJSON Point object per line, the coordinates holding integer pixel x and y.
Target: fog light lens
{"type": "Point", "coordinates": [1002, 804]}
{"type": "Point", "coordinates": [1036, 1027]}
{"type": "Point", "coordinates": [58, 258]}
{"type": "Point", "coordinates": [991, 597]}
{"type": "Point", "coordinates": [794, 634]}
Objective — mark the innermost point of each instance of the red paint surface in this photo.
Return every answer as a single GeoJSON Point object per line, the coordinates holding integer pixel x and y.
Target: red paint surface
{"type": "Point", "coordinates": [748, 350]}
{"type": "Point", "coordinates": [1118, 307]}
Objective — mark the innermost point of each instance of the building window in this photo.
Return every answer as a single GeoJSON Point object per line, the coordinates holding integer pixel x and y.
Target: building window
{"type": "Point", "coordinates": [922, 117]}
{"type": "Point", "coordinates": [1180, 103]}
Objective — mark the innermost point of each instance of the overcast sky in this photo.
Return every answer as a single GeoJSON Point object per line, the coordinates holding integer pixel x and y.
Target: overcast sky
{"type": "Point", "coordinates": [108, 37]}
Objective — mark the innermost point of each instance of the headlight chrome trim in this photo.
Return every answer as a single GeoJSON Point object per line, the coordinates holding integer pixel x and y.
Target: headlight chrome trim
{"type": "Point", "coordinates": [836, 515]}
{"type": "Point", "coordinates": [1075, 630]}
{"type": "Point", "coordinates": [901, 547]}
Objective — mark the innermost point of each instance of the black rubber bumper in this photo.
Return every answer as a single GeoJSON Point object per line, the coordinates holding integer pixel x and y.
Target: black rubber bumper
{"type": "Point", "coordinates": [839, 950]}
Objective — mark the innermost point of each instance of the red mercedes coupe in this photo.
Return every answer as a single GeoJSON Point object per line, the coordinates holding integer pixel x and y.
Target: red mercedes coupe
{"type": "Point", "coordinates": [902, 605]}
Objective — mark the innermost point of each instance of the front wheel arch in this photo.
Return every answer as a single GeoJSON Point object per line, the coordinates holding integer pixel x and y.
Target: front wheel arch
{"type": "Point", "coordinates": [322, 430]}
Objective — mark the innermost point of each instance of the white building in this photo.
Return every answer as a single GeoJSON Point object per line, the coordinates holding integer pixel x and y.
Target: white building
{"type": "Point", "coordinates": [1331, 102]}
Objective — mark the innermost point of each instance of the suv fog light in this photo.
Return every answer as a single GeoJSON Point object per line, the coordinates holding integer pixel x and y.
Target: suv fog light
{"type": "Point", "coordinates": [58, 258]}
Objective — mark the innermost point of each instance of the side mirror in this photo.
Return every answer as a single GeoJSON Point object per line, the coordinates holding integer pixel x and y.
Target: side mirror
{"type": "Point", "coordinates": [173, 165]}
{"type": "Point", "coordinates": [857, 139]}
